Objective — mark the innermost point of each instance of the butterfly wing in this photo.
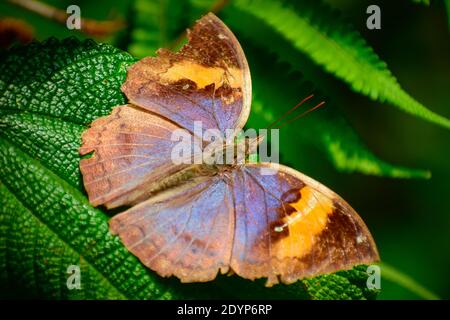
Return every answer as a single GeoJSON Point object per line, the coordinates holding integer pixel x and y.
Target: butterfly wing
{"type": "Point", "coordinates": [289, 226]}
{"type": "Point", "coordinates": [208, 80]}
{"type": "Point", "coordinates": [131, 150]}
{"type": "Point", "coordinates": [186, 232]}
{"type": "Point", "coordinates": [282, 227]}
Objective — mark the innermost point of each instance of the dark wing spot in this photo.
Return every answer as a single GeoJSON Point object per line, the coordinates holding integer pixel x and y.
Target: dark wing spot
{"type": "Point", "coordinates": [278, 228]}
{"type": "Point", "coordinates": [278, 231]}
{"type": "Point", "coordinates": [185, 85]}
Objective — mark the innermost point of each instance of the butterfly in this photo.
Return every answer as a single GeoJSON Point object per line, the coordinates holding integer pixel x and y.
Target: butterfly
{"type": "Point", "coordinates": [193, 221]}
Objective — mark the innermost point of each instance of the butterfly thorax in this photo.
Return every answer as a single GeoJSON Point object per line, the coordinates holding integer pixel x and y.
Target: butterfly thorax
{"type": "Point", "coordinates": [227, 156]}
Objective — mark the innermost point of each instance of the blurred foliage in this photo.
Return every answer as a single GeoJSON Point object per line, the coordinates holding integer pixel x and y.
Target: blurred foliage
{"type": "Point", "coordinates": [425, 2]}
{"type": "Point", "coordinates": [447, 5]}
{"type": "Point", "coordinates": [296, 48]}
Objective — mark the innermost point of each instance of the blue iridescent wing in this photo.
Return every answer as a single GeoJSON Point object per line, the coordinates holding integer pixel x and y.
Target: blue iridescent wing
{"type": "Point", "coordinates": [289, 226]}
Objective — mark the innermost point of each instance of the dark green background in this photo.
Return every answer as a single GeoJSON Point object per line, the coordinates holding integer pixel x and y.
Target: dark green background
{"type": "Point", "coordinates": [409, 219]}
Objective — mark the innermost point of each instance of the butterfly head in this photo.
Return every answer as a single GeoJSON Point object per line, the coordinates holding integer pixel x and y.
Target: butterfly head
{"type": "Point", "coordinates": [251, 145]}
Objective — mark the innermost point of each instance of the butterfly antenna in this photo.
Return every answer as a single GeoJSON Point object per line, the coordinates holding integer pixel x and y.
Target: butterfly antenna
{"type": "Point", "coordinates": [302, 114]}
{"type": "Point", "coordinates": [290, 111]}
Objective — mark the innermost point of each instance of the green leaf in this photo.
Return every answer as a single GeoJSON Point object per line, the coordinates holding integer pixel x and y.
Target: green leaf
{"type": "Point", "coordinates": [49, 93]}
{"type": "Point", "coordinates": [37, 256]}
{"type": "Point", "coordinates": [315, 30]}
{"type": "Point", "coordinates": [156, 25]}
{"type": "Point", "coordinates": [324, 129]}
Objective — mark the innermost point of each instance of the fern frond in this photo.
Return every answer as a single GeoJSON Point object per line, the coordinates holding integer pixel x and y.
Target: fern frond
{"type": "Point", "coordinates": [314, 29]}
{"type": "Point", "coordinates": [325, 129]}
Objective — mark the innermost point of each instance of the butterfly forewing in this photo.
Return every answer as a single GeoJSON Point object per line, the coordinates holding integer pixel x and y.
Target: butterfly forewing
{"type": "Point", "coordinates": [208, 80]}
{"type": "Point", "coordinates": [131, 150]}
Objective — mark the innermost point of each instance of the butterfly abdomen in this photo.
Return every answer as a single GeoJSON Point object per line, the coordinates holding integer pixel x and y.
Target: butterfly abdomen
{"type": "Point", "coordinates": [182, 176]}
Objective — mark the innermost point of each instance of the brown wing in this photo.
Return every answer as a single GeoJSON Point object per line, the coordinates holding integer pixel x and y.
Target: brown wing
{"type": "Point", "coordinates": [186, 232]}
{"type": "Point", "coordinates": [208, 80]}
{"type": "Point", "coordinates": [289, 226]}
{"type": "Point", "coordinates": [131, 150]}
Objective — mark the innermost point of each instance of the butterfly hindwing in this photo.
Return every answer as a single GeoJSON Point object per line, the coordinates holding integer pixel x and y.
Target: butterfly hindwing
{"type": "Point", "coordinates": [208, 80]}
{"type": "Point", "coordinates": [289, 226]}
{"type": "Point", "coordinates": [282, 227]}
{"type": "Point", "coordinates": [186, 232]}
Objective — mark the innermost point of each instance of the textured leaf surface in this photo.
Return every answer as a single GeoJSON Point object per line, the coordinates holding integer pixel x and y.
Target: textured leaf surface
{"type": "Point", "coordinates": [49, 93]}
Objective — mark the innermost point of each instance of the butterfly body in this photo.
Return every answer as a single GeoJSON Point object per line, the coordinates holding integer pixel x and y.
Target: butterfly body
{"type": "Point", "coordinates": [215, 163]}
{"type": "Point", "coordinates": [193, 219]}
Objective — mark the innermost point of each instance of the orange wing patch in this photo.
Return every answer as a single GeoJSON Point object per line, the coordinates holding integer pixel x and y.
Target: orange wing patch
{"type": "Point", "coordinates": [202, 75]}
{"type": "Point", "coordinates": [305, 223]}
